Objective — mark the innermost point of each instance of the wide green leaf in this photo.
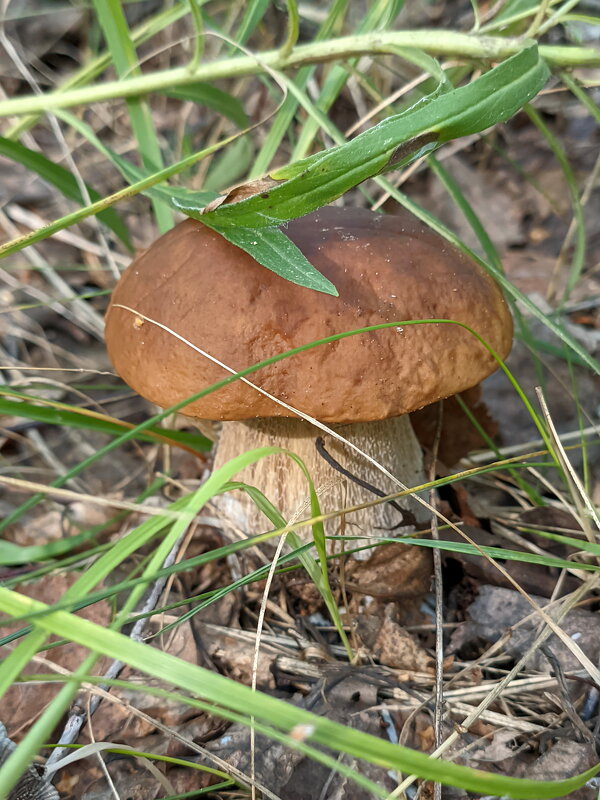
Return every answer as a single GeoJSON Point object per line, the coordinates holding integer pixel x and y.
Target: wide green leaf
{"type": "Point", "coordinates": [274, 250]}
{"type": "Point", "coordinates": [321, 178]}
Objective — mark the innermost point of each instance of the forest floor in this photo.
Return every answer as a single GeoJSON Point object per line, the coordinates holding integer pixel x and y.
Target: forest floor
{"type": "Point", "coordinates": [512, 704]}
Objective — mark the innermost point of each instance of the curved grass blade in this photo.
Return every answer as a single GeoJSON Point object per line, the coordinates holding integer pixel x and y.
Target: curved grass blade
{"type": "Point", "coordinates": [51, 413]}
{"type": "Point", "coordinates": [282, 716]}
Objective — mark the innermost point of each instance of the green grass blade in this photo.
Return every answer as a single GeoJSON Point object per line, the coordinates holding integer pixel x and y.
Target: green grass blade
{"type": "Point", "coordinates": [469, 212]}
{"type": "Point", "coordinates": [64, 181]}
{"type": "Point", "coordinates": [578, 260]}
{"type": "Point", "coordinates": [285, 115]}
{"type": "Point", "coordinates": [293, 28]}
{"type": "Point", "coordinates": [8, 248]}
{"type": "Point", "coordinates": [584, 98]}
{"type": "Point", "coordinates": [131, 172]}
{"type": "Point", "coordinates": [198, 23]}
{"type": "Point", "coordinates": [114, 25]}
{"type": "Point", "coordinates": [381, 14]}
{"type": "Point", "coordinates": [501, 553]}
{"type": "Point", "coordinates": [271, 711]}
{"type": "Point", "coordinates": [254, 11]}
{"type": "Point", "coordinates": [70, 416]}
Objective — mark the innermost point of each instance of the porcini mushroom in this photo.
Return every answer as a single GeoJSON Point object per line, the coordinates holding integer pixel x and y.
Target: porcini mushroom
{"type": "Point", "coordinates": [386, 268]}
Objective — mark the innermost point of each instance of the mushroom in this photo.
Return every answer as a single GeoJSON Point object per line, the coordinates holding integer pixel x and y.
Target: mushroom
{"type": "Point", "coordinates": [386, 268]}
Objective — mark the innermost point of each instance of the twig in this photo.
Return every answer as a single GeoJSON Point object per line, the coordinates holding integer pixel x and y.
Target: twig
{"type": "Point", "coordinates": [475, 714]}
{"type": "Point", "coordinates": [569, 708]}
{"type": "Point", "coordinates": [439, 600]}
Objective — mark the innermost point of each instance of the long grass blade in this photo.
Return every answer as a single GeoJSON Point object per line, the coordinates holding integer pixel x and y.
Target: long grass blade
{"type": "Point", "coordinates": [114, 25]}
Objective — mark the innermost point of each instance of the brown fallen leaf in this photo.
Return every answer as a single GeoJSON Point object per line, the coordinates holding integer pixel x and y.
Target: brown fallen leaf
{"type": "Point", "coordinates": [239, 193]}
{"type": "Point", "coordinates": [395, 571]}
{"type": "Point", "coordinates": [459, 437]}
{"type": "Point", "coordinates": [390, 644]}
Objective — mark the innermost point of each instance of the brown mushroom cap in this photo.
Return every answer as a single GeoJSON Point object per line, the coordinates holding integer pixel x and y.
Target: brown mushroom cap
{"type": "Point", "coordinates": [385, 267]}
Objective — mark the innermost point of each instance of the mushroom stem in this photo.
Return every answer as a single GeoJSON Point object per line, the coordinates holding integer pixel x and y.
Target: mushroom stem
{"type": "Point", "coordinates": [392, 443]}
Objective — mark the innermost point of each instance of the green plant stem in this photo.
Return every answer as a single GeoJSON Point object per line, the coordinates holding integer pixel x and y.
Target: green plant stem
{"type": "Point", "coordinates": [445, 43]}
{"type": "Point", "coordinates": [95, 67]}
{"type": "Point", "coordinates": [293, 26]}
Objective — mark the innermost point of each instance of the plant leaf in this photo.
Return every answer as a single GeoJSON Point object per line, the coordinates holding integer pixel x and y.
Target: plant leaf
{"type": "Point", "coordinates": [203, 94]}
{"type": "Point", "coordinates": [74, 419]}
{"type": "Point", "coordinates": [319, 179]}
{"type": "Point", "coordinates": [275, 251]}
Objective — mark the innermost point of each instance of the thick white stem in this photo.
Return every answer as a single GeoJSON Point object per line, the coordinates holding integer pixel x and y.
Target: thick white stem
{"type": "Point", "coordinates": [391, 443]}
